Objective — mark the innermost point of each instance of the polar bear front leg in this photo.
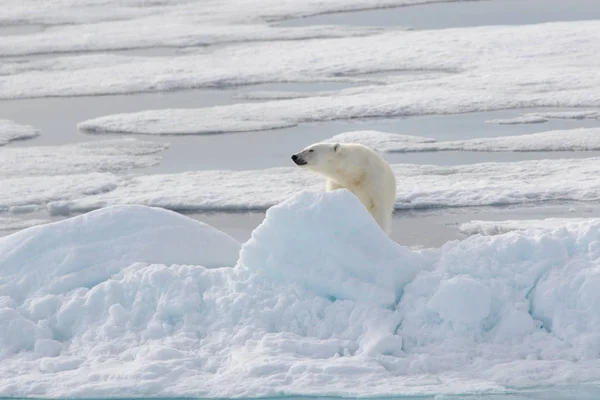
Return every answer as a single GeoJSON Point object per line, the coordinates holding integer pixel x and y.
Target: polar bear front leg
{"type": "Point", "coordinates": [384, 219]}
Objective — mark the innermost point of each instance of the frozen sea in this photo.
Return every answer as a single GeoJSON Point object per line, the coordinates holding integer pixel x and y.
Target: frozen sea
{"type": "Point", "coordinates": [488, 110]}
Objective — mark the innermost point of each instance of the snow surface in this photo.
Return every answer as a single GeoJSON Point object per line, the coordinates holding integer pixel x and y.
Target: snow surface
{"type": "Point", "coordinates": [10, 130]}
{"type": "Point", "coordinates": [499, 227]}
{"type": "Point", "coordinates": [320, 302]}
{"type": "Point", "coordinates": [560, 140]}
{"type": "Point", "coordinates": [540, 117]}
{"type": "Point", "coordinates": [98, 156]}
{"type": "Point", "coordinates": [419, 186]}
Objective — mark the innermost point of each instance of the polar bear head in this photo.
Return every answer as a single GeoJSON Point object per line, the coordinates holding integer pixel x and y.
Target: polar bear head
{"type": "Point", "coordinates": [319, 156]}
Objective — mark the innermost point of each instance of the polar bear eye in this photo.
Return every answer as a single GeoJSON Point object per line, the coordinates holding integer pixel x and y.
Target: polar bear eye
{"type": "Point", "coordinates": [311, 150]}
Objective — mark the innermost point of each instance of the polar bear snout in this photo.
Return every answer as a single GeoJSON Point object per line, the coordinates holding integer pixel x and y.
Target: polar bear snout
{"type": "Point", "coordinates": [298, 160]}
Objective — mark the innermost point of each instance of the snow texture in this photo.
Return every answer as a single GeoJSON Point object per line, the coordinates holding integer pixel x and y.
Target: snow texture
{"type": "Point", "coordinates": [490, 228]}
{"type": "Point", "coordinates": [98, 156]}
{"type": "Point", "coordinates": [120, 303]}
{"type": "Point", "coordinates": [560, 140]}
{"type": "Point", "coordinates": [10, 130]}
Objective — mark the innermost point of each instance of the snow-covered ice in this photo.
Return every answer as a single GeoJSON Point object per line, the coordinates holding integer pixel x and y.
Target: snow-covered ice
{"type": "Point", "coordinates": [152, 31]}
{"type": "Point", "coordinates": [188, 122]}
{"type": "Point", "coordinates": [500, 227]}
{"type": "Point", "coordinates": [121, 303]}
{"type": "Point", "coordinates": [213, 12]}
{"type": "Point", "coordinates": [419, 186]}
{"type": "Point", "coordinates": [11, 223]}
{"type": "Point", "coordinates": [488, 68]}
{"type": "Point", "coordinates": [72, 26]}
{"type": "Point", "coordinates": [539, 117]}
{"type": "Point", "coordinates": [10, 130]}
{"type": "Point", "coordinates": [34, 176]}
{"type": "Point", "coordinates": [560, 140]}
{"type": "Point", "coordinates": [523, 119]}
{"type": "Point", "coordinates": [97, 156]}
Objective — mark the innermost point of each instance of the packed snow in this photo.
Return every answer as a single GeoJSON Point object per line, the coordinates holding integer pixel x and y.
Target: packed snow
{"type": "Point", "coordinates": [97, 156]}
{"type": "Point", "coordinates": [500, 227]}
{"type": "Point", "coordinates": [10, 130]}
{"type": "Point", "coordinates": [560, 140]}
{"type": "Point", "coordinates": [540, 117]}
{"type": "Point", "coordinates": [131, 301]}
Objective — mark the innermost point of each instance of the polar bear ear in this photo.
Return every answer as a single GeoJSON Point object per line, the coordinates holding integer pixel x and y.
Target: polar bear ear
{"type": "Point", "coordinates": [336, 147]}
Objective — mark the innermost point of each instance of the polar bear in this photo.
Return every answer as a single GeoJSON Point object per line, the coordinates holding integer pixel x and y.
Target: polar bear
{"type": "Point", "coordinates": [357, 168]}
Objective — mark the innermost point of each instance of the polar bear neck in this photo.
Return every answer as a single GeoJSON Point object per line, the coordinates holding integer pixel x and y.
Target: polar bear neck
{"type": "Point", "coordinates": [348, 174]}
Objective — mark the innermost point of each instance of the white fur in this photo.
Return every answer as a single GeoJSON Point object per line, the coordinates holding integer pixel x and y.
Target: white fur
{"type": "Point", "coordinates": [360, 170]}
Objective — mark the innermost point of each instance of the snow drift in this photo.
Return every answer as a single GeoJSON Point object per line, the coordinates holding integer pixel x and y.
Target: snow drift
{"type": "Point", "coordinates": [121, 302]}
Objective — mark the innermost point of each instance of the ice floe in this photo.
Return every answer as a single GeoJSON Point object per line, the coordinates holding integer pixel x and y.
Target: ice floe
{"type": "Point", "coordinates": [98, 156]}
{"type": "Point", "coordinates": [10, 130]}
{"type": "Point", "coordinates": [154, 32]}
{"type": "Point", "coordinates": [560, 140]}
{"type": "Point", "coordinates": [523, 119]}
{"type": "Point", "coordinates": [215, 13]}
{"type": "Point", "coordinates": [10, 223]}
{"type": "Point", "coordinates": [539, 117]}
{"type": "Point", "coordinates": [121, 302]}
{"type": "Point", "coordinates": [544, 67]}
{"type": "Point", "coordinates": [499, 227]}
{"type": "Point", "coordinates": [419, 186]}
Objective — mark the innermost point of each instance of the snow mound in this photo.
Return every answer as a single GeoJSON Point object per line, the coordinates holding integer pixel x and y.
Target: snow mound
{"type": "Point", "coordinates": [336, 239]}
{"type": "Point", "coordinates": [98, 156]}
{"type": "Point", "coordinates": [10, 130]}
{"type": "Point", "coordinates": [320, 302]}
{"type": "Point", "coordinates": [559, 140]}
{"type": "Point", "coordinates": [490, 228]}
{"type": "Point", "coordinates": [82, 251]}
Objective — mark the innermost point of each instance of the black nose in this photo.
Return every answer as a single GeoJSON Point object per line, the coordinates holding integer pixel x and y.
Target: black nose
{"type": "Point", "coordinates": [294, 157]}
